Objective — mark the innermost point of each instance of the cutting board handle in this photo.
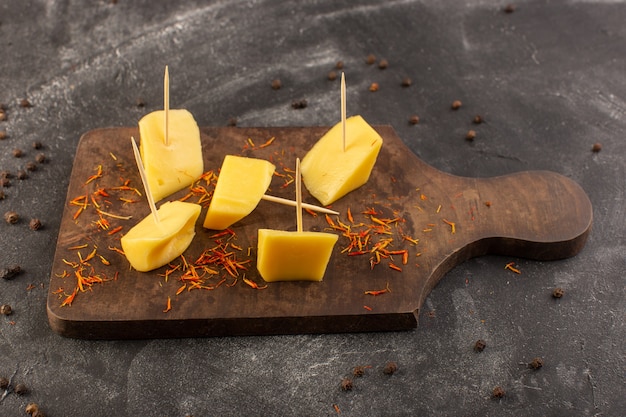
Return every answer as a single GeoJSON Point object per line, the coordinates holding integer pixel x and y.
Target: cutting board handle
{"type": "Point", "coordinates": [540, 215]}
{"type": "Point", "coordinates": [534, 214]}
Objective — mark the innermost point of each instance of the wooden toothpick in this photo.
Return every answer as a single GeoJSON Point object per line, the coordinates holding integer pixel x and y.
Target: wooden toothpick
{"type": "Point", "coordinates": [146, 187]}
{"type": "Point", "coordinates": [298, 197]}
{"type": "Point", "coordinates": [166, 105]}
{"type": "Point", "coordinates": [292, 203]}
{"type": "Point", "coordinates": [343, 109]}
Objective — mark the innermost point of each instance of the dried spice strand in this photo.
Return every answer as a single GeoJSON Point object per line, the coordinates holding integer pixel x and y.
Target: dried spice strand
{"type": "Point", "coordinates": [378, 292]}
{"type": "Point", "coordinates": [253, 284]}
{"type": "Point", "coordinates": [168, 305]}
{"type": "Point", "coordinates": [395, 267]}
{"type": "Point", "coordinates": [115, 230]}
{"type": "Point", "coordinates": [349, 214]}
{"type": "Point", "coordinates": [510, 267]}
{"type": "Point", "coordinates": [268, 142]}
{"type": "Point", "coordinates": [451, 224]}
{"type": "Point", "coordinates": [97, 175]}
{"type": "Point", "coordinates": [70, 298]}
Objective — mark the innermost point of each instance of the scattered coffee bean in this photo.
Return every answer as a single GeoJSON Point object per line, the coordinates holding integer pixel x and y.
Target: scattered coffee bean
{"type": "Point", "coordinates": [299, 104]}
{"type": "Point", "coordinates": [488, 203]}
{"type": "Point", "coordinates": [346, 384]}
{"type": "Point", "coordinates": [498, 392]}
{"type": "Point", "coordinates": [470, 135]}
{"type": "Point", "coordinates": [383, 63]}
{"type": "Point", "coordinates": [41, 158]}
{"type": "Point", "coordinates": [140, 102]}
{"type": "Point", "coordinates": [2, 195]}
{"type": "Point", "coordinates": [232, 122]}
{"type": "Point", "coordinates": [339, 65]}
{"type": "Point", "coordinates": [509, 8]}
{"type": "Point", "coordinates": [536, 363]}
{"type": "Point", "coordinates": [6, 310]}
{"type": "Point", "coordinates": [25, 103]}
{"type": "Point", "coordinates": [373, 87]}
{"type": "Point", "coordinates": [17, 153]}
{"type": "Point", "coordinates": [3, 135]}
{"type": "Point", "coordinates": [371, 58]}
{"type": "Point", "coordinates": [456, 104]}
{"type": "Point", "coordinates": [3, 116]}
{"type": "Point", "coordinates": [10, 272]}
{"type": "Point", "coordinates": [332, 75]}
{"type": "Point", "coordinates": [358, 371]}
{"type": "Point", "coordinates": [597, 147]}
{"type": "Point", "coordinates": [477, 119]}
{"type": "Point", "coordinates": [35, 224]}
{"type": "Point", "coordinates": [415, 119]}
{"type": "Point", "coordinates": [21, 389]}
{"type": "Point", "coordinates": [390, 368]}
{"type": "Point", "coordinates": [5, 182]}
{"type": "Point", "coordinates": [11, 217]}
{"type": "Point", "coordinates": [37, 145]}
{"type": "Point", "coordinates": [480, 345]}
{"type": "Point", "coordinates": [30, 166]}
{"type": "Point", "coordinates": [406, 82]}
{"type": "Point", "coordinates": [4, 383]}
{"type": "Point", "coordinates": [22, 175]}
{"type": "Point", "coordinates": [31, 408]}
{"type": "Point", "coordinates": [557, 292]}
{"type": "Point", "coordinates": [276, 84]}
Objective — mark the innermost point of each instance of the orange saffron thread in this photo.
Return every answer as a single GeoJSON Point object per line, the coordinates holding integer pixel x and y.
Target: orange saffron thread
{"type": "Point", "coordinates": [253, 284]}
{"type": "Point", "coordinates": [114, 231]}
{"type": "Point", "coordinates": [451, 224]}
{"type": "Point", "coordinates": [394, 266]}
{"type": "Point", "coordinates": [169, 305]}
{"type": "Point", "coordinates": [378, 292]}
{"type": "Point", "coordinates": [510, 267]}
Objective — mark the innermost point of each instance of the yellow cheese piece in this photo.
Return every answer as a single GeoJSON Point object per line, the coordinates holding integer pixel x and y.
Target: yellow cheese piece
{"type": "Point", "coordinates": [328, 172]}
{"type": "Point", "coordinates": [178, 164]}
{"type": "Point", "coordinates": [293, 256]}
{"type": "Point", "coordinates": [150, 245]}
{"type": "Point", "coordinates": [240, 186]}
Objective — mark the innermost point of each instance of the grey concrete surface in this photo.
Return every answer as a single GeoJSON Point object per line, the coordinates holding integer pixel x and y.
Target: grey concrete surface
{"type": "Point", "coordinates": [549, 78]}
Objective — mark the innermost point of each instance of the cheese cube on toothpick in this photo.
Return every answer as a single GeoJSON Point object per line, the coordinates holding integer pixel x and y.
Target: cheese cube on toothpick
{"type": "Point", "coordinates": [294, 256]}
{"type": "Point", "coordinates": [241, 185]}
{"type": "Point", "coordinates": [171, 148]}
{"type": "Point", "coordinates": [328, 174]}
{"type": "Point", "coordinates": [163, 236]}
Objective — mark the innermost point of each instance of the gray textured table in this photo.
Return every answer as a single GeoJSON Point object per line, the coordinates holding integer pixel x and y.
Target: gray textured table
{"type": "Point", "coordinates": [549, 79]}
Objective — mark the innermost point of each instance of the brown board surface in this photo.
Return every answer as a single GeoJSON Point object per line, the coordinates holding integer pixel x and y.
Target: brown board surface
{"type": "Point", "coordinates": [439, 219]}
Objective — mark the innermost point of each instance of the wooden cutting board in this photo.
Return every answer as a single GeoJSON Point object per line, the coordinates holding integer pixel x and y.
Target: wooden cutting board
{"type": "Point", "coordinates": [438, 219]}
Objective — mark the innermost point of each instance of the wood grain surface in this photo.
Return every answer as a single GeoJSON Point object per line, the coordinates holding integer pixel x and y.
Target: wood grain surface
{"type": "Point", "coordinates": [540, 215]}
